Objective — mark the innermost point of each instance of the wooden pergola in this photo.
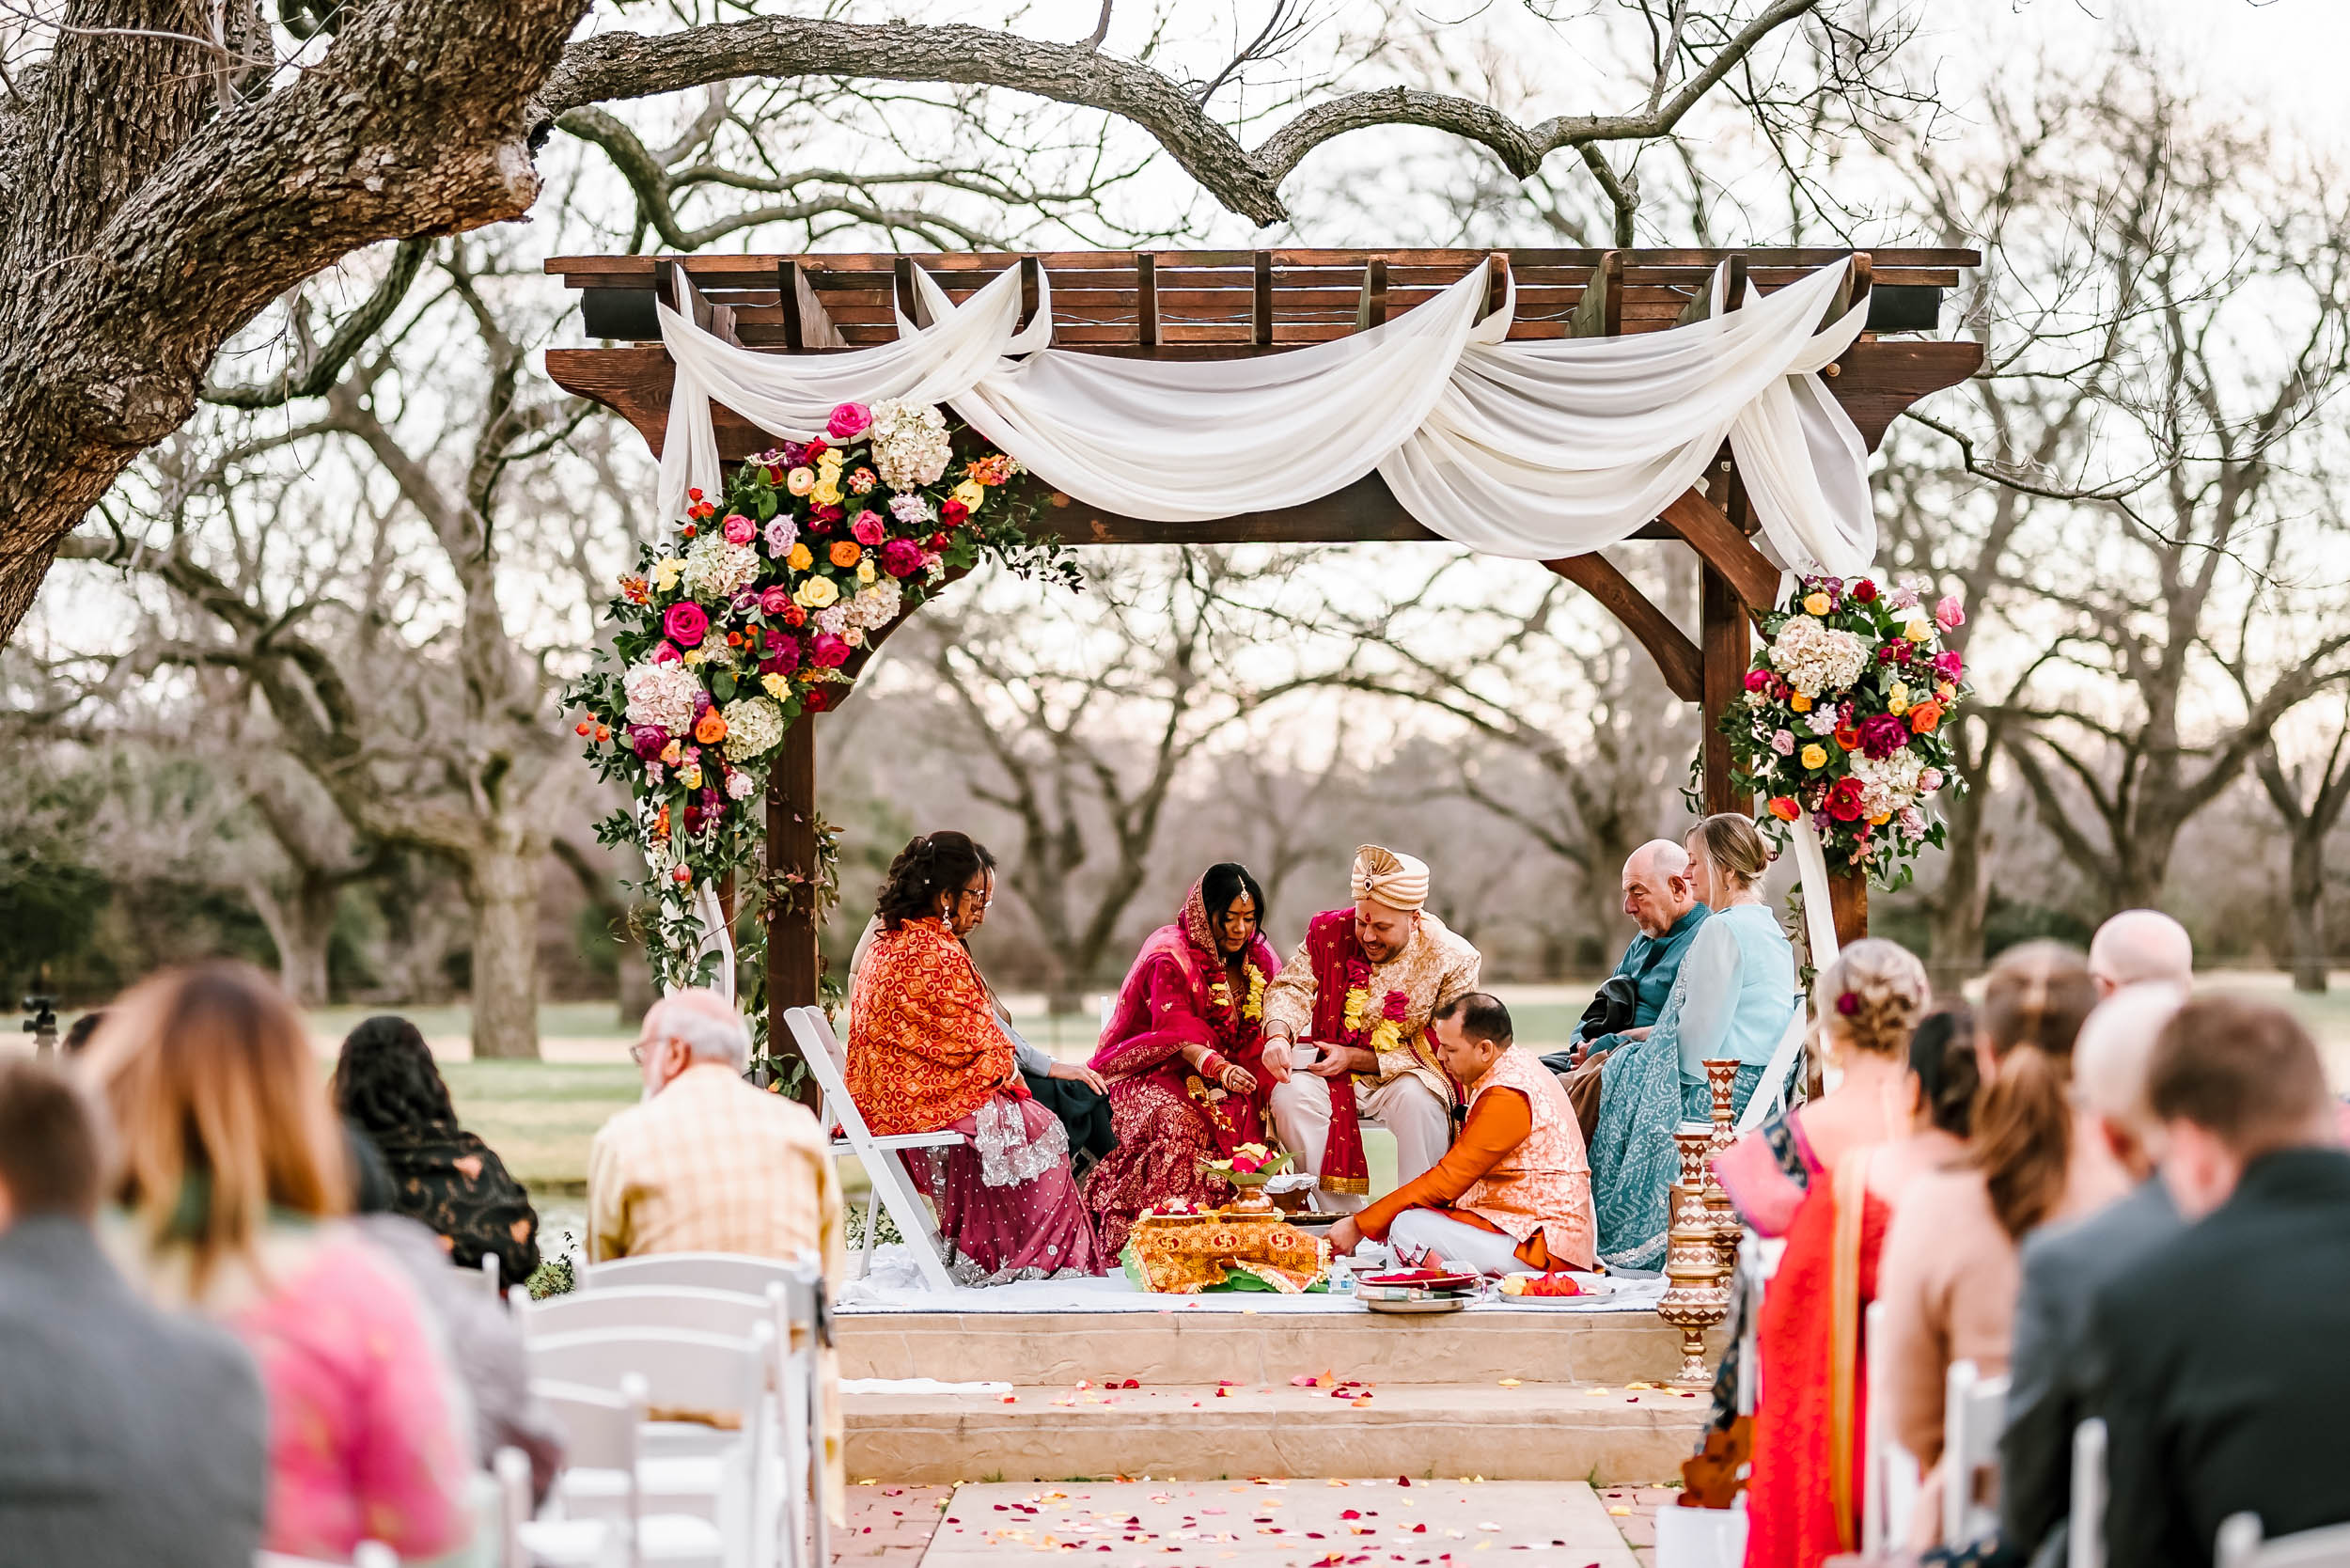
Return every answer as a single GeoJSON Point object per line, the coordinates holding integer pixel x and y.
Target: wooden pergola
{"type": "Point", "coordinates": [1219, 304]}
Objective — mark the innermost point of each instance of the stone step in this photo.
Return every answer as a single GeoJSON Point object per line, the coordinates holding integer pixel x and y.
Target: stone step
{"type": "Point", "coordinates": [1476, 1347]}
{"type": "Point", "coordinates": [1605, 1435]}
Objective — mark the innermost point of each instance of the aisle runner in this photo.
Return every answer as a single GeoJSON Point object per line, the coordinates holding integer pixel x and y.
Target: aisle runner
{"type": "Point", "coordinates": [1282, 1524]}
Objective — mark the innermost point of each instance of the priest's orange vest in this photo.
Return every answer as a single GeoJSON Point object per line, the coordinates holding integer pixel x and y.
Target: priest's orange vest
{"type": "Point", "coordinates": [1545, 1184]}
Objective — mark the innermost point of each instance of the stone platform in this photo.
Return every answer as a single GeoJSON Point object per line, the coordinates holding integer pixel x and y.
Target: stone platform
{"type": "Point", "coordinates": [1530, 1394]}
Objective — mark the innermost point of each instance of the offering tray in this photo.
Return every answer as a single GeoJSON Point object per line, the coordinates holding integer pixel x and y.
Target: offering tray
{"type": "Point", "coordinates": [1415, 1290]}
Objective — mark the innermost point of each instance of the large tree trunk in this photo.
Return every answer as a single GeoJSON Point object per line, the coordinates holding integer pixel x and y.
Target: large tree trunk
{"type": "Point", "coordinates": [502, 886]}
{"type": "Point", "coordinates": [2306, 889]}
{"type": "Point", "coordinates": [301, 926]}
{"type": "Point", "coordinates": [1956, 915]}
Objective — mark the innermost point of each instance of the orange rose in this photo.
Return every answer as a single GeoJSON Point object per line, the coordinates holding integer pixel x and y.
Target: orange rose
{"type": "Point", "coordinates": [845, 553]}
{"type": "Point", "coordinates": [1925, 717]}
{"type": "Point", "coordinates": [1784, 808]}
{"type": "Point", "coordinates": [1848, 736]}
{"type": "Point", "coordinates": [711, 730]}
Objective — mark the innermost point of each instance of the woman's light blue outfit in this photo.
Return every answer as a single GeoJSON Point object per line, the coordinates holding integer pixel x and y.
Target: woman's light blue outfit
{"type": "Point", "coordinates": [1733, 997]}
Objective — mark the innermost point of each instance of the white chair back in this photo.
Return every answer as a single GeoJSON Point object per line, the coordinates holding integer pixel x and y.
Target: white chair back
{"type": "Point", "coordinates": [2085, 1530]}
{"type": "Point", "coordinates": [699, 1271]}
{"type": "Point", "coordinates": [1974, 1409]}
{"type": "Point", "coordinates": [600, 1424]}
{"type": "Point", "coordinates": [2242, 1546]}
{"type": "Point", "coordinates": [486, 1277]}
{"type": "Point", "coordinates": [650, 1308]}
{"type": "Point", "coordinates": [367, 1554]}
{"type": "Point", "coordinates": [513, 1468]}
{"type": "Point", "coordinates": [803, 1333]}
{"type": "Point", "coordinates": [1775, 1088]}
{"type": "Point", "coordinates": [713, 1373]}
{"type": "Point", "coordinates": [1890, 1481]}
{"type": "Point", "coordinates": [884, 1167]}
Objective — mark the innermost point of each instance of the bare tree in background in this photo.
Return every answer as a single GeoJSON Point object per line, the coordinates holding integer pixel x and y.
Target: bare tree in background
{"type": "Point", "coordinates": [169, 167]}
{"type": "Point", "coordinates": [2309, 797]}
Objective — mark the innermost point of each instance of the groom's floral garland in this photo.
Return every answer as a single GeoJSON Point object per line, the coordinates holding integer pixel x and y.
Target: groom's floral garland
{"type": "Point", "coordinates": [1378, 1035]}
{"type": "Point", "coordinates": [1845, 719]}
{"type": "Point", "coordinates": [726, 635]}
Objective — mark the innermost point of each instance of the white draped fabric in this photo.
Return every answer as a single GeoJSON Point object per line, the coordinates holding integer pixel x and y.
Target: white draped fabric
{"type": "Point", "coordinates": [1532, 449]}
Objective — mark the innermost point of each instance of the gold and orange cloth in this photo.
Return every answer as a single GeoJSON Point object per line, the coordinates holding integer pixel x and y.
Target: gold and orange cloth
{"type": "Point", "coordinates": [1183, 1254]}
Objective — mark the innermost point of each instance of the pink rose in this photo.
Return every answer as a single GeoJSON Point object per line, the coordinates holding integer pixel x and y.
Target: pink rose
{"type": "Point", "coordinates": [783, 655]}
{"type": "Point", "coordinates": [667, 654]}
{"type": "Point", "coordinates": [1784, 743]}
{"type": "Point", "coordinates": [1949, 665]}
{"type": "Point", "coordinates": [1929, 780]}
{"type": "Point", "coordinates": [1950, 614]}
{"type": "Point", "coordinates": [1758, 680]}
{"type": "Point", "coordinates": [685, 624]}
{"type": "Point", "coordinates": [848, 422]}
{"type": "Point", "coordinates": [901, 558]}
{"type": "Point", "coordinates": [828, 652]}
{"type": "Point", "coordinates": [867, 530]}
{"type": "Point", "coordinates": [739, 529]}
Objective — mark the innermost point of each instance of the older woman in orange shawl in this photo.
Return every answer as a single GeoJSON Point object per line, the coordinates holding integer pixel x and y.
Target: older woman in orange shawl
{"type": "Point", "coordinates": [1183, 1055]}
{"type": "Point", "coordinates": [926, 1053]}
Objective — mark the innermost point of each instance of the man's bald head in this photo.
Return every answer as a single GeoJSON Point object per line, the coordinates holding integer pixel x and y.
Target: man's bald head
{"type": "Point", "coordinates": [2110, 1066]}
{"type": "Point", "coordinates": [2142, 946]}
{"type": "Point", "coordinates": [687, 1028]}
{"type": "Point", "coordinates": [1657, 889]}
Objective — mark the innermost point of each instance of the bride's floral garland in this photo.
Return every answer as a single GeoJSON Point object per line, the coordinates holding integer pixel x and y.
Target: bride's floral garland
{"type": "Point", "coordinates": [1845, 718]}
{"type": "Point", "coordinates": [726, 635]}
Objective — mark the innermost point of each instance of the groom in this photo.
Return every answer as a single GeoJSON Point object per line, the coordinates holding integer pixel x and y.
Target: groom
{"type": "Point", "coordinates": [1346, 1029]}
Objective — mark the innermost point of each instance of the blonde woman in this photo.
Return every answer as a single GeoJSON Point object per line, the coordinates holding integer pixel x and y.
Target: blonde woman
{"type": "Point", "coordinates": [233, 1179]}
{"type": "Point", "coordinates": [1732, 997]}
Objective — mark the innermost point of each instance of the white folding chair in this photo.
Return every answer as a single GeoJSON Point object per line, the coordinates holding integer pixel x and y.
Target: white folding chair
{"type": "Point", "coordinates": [1889, 1481]}
{"type": "Point", "coordinates": [803, 1333]}
{"type": "Point", "coordinates": [600, 1437]}
{"type": "Point", "coordinates": [650, 1308]}
{"type": "Point", "coordinates": [2242, 1546]}
{"type": "Point", "coordinates": [486, 1277]}
{"type": "Point", "coordinates": [367, 1554]}
{"type": "Point", "coordinates": [892, 1189]}
{"type": "Point", "coordinates": [711, 1375]}
{"type": "Point", "coordinates": [2085, 1529]}
{"type": "Point", "coordinates": [698, 1271]}
{"type": "Point", "coordinates": [1974, 1408]}
{"type": "Point", "coordinates": [512, 1466]}
{"type": "Point", "coordinates": [1777, 1085]}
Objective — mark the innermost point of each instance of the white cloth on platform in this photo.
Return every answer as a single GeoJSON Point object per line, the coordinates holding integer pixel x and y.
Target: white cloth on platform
{"type": "Point", "coordinates": [1419, 1231]}
{"type": "Point", "coordinates": [1405, 1105]}
{"type": "Point", "coordinates": [1534, 450]}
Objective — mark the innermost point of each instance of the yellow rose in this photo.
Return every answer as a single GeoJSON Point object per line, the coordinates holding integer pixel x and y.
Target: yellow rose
{"type": "Point", "coordinates": [690, 776]}
{"type": "Point", "coordinates": [1897, 700]}
{"type": "Point", "coordinates": [1880, 819]}
{"type": "Point", "coordinates": [800, 480]}
{"type": "Point", "coordinates": [777, 687]}
{"type": "Point", "coordinates": [1800, 703]}
{"type": "Point", "coordinates": [799, 559]}
{"type": "Point", "coordinates": [1815, 756]}
{"type": "Point", "coordinates": [694, 656]}
{"type": "Point", "coordinates": [971, 493]}
{"type": "Point", "coordinates": [865, 570]}
{"type": "Point", "coordinates": [665, 572]}
{"type": "Point", "coordinates": [1918, 629]}
{"type": "Point", "coordinates": [1816, 605]}
{"type": "Point", "coordinates": [817, 592]}
{"type": "Point", "coordinates": [829, 457]}
{"type": "Point", "coordinates": [1946, 691]}
{"type": "Point", "coordinates": [826, 494]}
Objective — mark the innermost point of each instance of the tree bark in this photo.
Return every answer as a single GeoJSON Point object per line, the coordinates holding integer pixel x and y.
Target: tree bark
{"type": "Point", "coordinates": [2306, 886]}
{"type": "Point", "coordinates": [502, 886]}
{"type": "Point", "coordinates": [302, 927]}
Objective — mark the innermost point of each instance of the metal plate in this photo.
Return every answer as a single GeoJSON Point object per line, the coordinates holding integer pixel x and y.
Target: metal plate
{"type": "Point", "coordinates": [1420, 1307]}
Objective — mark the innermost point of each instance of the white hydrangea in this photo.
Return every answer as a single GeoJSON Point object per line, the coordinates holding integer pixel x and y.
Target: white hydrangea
{"type": "Point", "coordinates": [910, 444]}
{"type": "Point", "coordinates": [753, 726]}
{"type": "Point", "coordinates": [662, 695]}
{"type": "Point", "coordinates": [877, 606]}
{"type": "Point", "coordinates": [714, 568]}
{"type": "Point", "coordinates": [1887, 784]}
{"type": "Point", "coordinates": [1813, 658]}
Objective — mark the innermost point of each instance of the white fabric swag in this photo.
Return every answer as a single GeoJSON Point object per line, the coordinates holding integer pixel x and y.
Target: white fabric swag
{"type": "Point", "coordinates": [1533, 449]}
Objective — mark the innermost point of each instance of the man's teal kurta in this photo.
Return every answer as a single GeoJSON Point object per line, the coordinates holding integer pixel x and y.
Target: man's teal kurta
{"type": "Point", "coordinates": [1651, 963]}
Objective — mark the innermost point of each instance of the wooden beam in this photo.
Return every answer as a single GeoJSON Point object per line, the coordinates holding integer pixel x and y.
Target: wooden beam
{"type": "Point", "coordinates": [901, 288]}
{"type": "Point", "coordinates": [1700, 304]}
{"type": "Point", "coordinates": [1497, 281]}
{"type": "Point", "coordinates": [1031, 288]}
{"type": "Point", "coordinates": [1599, 312]}
{"type": "Point", "coordinates": [806, 324]}
{"type": "Point", "coordinates": [1722, 627]}
{"type": "Point", "coordinates": [1261, 313]}
{"type": "Point", "coordinates": [1848, 902]}
{"type": "Point", "coordinates": [1725, 548]}
{"type": "Point", "coordinates": [1147, 299]}
{"type": "Point", "coordinates": [794, 970]}
{"type": "Point", "coordinates": [1677, 658]}
{"type": "Point", "coordinates": [1372, 309]}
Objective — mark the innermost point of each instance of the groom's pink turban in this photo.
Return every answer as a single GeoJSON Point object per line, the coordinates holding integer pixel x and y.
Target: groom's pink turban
{"type": "Point", "coordinates": [1385, 877]}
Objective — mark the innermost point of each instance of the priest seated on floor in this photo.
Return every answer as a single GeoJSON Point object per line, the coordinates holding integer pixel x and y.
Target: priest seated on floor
{"type": "Point", "coordinates": [1514, 1191]}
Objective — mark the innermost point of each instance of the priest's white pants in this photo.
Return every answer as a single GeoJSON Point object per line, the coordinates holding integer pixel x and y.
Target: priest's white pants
{"type": "Point", "coordinates": [1406, 1107]}
{"type": "Point", "coordinates": [1419, 1231]}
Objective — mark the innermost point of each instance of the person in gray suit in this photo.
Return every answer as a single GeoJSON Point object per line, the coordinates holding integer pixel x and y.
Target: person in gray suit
{"type": "Point", "coordinates": [2054, 1371]}
{"type": "Point", "coordinates": [128, 1438]}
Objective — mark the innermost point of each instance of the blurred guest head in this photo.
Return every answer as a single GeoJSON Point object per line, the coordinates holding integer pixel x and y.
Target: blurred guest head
{"type": "Point", "coordinates": [2033, 1004]}
{"type": "Point", "coordinates": [2110, 1066]}
{"type": "Point", "coordinates": [1942, 1055]}
{"type": "Point", "coordinates": [2139, 946]}
{"type": "Point", "coordinates": [49, 1147]}
{"type": "Point", "coordinates": [686, 1029]}
{"type": "Point", "coordinates": [79, 1035]}
{"type": "Point", "coordinates": [219, 1111]}
{"type": "Point", "coordinates": [2232, 1080]}
{"type": "Point", "coordinates": [385, 1080]}
{"type": "Point", "coordinates": [1868, 1000]}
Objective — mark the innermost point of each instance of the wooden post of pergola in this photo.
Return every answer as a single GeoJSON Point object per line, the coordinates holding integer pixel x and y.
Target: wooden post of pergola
{"type": "Point", "coordinates": [1223, 305]}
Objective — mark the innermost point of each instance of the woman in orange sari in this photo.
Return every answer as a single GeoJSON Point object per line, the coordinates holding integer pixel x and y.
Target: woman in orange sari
{"type": "Point", "coordinates": [1859, 1145]}
{"type": "Point", "coordinates": [926, 1053]}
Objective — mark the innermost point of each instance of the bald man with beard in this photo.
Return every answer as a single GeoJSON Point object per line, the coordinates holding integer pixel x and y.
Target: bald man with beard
{"type": "Point", "coordinates": [1661, 898]}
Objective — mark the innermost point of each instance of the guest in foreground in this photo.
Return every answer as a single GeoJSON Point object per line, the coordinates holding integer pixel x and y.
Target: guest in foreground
{"type": "Point", "coordinates": [128, 1437]}
{"type": "Point", "coordinates": [1514, 1191]}
{"type": "Point", "coordinates": [1803, 1496]}
{"type": "Point", "coordinates": [706, 1163]}
{"type": "Point", "coordinates": [1183, 1055]}
{"type": "Point", "coordinates": [2225, 1401]}
{"type": "Point", "coordinates": [1732, 997]}
{"type": "Point", "coordinates": [234, 1173]}
{"type": "Point", "coordinates": [2054, 1371]}
{"type": "Point", "coordinates": [1346, 1029]}
{"type": "Point", "coordinates": [1660, 895]}
{"type": "Point", "coordinates": [443, 1176]}
{"type": "Point", "coordinates": [2142, 946]}
{"type": "Point", "coordinates": [926, 1051]}
{"type": "Point", "coordinates": [1951, 1272]}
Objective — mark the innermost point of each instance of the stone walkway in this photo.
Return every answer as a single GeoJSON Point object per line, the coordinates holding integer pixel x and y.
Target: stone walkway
{"type": "Point", "coordinates": [1263, 1524]}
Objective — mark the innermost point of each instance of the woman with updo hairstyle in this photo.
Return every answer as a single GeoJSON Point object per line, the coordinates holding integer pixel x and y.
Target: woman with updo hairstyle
{"type": "Point", "coordinates": [930, 1050]}
{"type": "Point", "coordinates": [1952, 1270]}
{"type": "Point", "coordinates": [1732, 998]}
